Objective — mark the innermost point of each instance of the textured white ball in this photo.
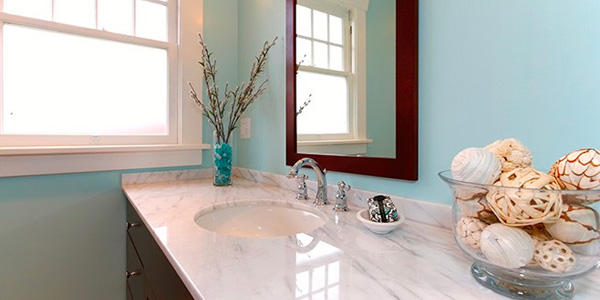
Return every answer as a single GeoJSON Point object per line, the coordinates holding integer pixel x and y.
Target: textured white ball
{"type": "Point", "coordinates": [475, 165]}
{"type": "Point", "coordinates": [505, 246]}
{"type": "Point", "coordinates": [469, 231]}
{"type": "Point", "coordinates": [511, 153]}
{"type": "Point", "coordinates": [554, 256]}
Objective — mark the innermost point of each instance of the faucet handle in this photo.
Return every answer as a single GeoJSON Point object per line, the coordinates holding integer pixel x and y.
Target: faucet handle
{"type": "Point", "coordinates": [343, 187]}
{"type": "Point", "coordinates": [302, 194]}
{"type": "Point", "coordinates": [340, 197]}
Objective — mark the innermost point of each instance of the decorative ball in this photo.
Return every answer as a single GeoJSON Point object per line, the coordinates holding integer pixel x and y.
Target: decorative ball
{"type": "Point", "coordinates": [579, 170]}
{"type": "Point", "coordinates": [469, 231]}
{"type": "Point", "coordinates": [554, 256]}
{"type": "Point", "coordinates": [505, 246]}
{"type": "Point", "coordinates": [517, 207]}
{"type": "Point", "coordinates": [577, 224]}
{"type": "Point", "coordinates": [475, 165]}
{"type": "Point", "coordinates": [511, 153]}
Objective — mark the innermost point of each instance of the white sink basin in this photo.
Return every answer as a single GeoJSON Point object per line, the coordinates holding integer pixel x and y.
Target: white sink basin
{"type": "Point", "coordinates": [260, 218]}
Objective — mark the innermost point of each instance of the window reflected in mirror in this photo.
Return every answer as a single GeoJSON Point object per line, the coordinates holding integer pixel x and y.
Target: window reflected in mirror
{"type": "Point", "coordinates": [352, 85]}
{"type": "Point", "coordinates": [345, 77]}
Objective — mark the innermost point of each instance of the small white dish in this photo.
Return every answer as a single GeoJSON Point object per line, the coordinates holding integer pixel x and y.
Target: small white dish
{"type": "Point", "coordinates": [376, 227]}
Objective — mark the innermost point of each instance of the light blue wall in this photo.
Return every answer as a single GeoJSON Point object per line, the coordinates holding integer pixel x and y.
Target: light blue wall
{"type": "Point", "coordinates": [221, 37]}
{"type": "Point", "coordinates": [487, 70]}
{"type": "Point", "coordinates": [259, 21]}
{"type": "Point", "coordinates": [381, 78]}
{"type": "Point", "coordinates": [63, 236]}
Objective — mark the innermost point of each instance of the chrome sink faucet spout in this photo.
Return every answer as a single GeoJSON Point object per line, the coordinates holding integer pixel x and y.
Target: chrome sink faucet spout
{"type": "Point", "coordinates": [321, 197]}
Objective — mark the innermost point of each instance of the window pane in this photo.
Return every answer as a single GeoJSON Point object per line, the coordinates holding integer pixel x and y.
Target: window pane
{"type": "Point", "coordinates": [39, 9]}
{"type": "Point", "coordinates": [320, 25]}
{"type": "Point", "coordinates": [333, 293]}
{"type": "Point", "coordinates": [151, 20]}
{"type": "Point", "coordinates": [318, 296]}
{"type": "Point", "coordinates": [336, 58]}
{"type": "Point", "coordinates": [303, 52]}
{"type": "Point", "coordinates": [320, 55]}
{"type": "Point", "coordinates": [116, 16]}
{"type": "Point", "coordinates": [303, 20]}
{"type": "Point", "coordinates": [327, 113]}
{"type": "Point", "coordinates": [335, 30]}
{"type": "Point", "coordinates": [318, 278]}
{"type": "Point", "coordinates": [81, 86]}
{"type": "Point", "coordinates": [76, 12]}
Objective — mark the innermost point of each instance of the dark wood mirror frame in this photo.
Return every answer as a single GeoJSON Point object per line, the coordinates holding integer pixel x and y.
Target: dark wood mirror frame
{"type": "Point", "coordinates": [404, 165]}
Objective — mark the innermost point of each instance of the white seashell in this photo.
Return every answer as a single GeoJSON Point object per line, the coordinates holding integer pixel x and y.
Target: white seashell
{"type": "Point", "coordinates": [506, 246]}
{"type": "Point", "coordinates": [554, 256]}
{"type": "Point", "coordinates": [475, 165]}
{"type": "Point", "coordinates": [469, 231]}
{"type": "Point", "coordinates": [577, 225]}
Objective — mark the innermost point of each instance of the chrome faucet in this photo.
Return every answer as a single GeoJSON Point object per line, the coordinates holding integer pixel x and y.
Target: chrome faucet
{"type": "Point", "coordinates": [321, 197]}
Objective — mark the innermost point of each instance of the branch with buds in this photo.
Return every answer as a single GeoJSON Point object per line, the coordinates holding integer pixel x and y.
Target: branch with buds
{"type": "Point", "coordinates": [307, 102]}
{"type": "Point", "coordinates": [236, 101]}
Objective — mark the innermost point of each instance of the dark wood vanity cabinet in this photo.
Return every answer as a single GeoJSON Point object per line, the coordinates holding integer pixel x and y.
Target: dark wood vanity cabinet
{"type": "Point", "coordinates": [150, 275]}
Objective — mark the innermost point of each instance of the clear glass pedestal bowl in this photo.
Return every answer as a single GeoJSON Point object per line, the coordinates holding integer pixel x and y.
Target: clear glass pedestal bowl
{"type": "Point", "coordinates": [531, 281]}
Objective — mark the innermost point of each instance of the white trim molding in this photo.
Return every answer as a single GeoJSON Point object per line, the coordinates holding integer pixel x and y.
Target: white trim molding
{"type": "Point", "coordinates": [100, 160]}
{"type": "Point", "coordinates": [343, 147]}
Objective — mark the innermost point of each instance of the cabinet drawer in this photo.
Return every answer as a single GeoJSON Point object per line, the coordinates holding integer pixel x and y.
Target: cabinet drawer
{"type": "Point", "coordinates": [135, 272]}
{"type": "Point", "coordinates": [162, 278]}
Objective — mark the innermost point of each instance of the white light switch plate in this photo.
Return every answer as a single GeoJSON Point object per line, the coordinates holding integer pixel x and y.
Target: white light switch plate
{"type": "Point", "coordinates": [245, 129]}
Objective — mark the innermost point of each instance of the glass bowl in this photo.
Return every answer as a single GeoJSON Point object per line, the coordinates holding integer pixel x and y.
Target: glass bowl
{"type": "Point", "coordinates": [471, 204]}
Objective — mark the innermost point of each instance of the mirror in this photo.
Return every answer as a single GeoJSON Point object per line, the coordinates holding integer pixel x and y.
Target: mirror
{"type": "Point", "coordinates": [351, 73]}
{"type": "Point", "coordinates": [345, 88]}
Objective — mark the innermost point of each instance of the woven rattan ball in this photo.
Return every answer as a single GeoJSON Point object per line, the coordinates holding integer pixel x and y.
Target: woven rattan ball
{"type": "Point", "coordinates": [520, 199]}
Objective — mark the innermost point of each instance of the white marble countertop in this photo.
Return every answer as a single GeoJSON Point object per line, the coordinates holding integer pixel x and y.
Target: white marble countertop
{"type": "Point", "coordinates": [341, 260]}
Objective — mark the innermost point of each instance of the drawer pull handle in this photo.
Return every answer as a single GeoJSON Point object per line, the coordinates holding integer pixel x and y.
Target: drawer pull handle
{"type": "Point", "coordinates": [129, 225]}
{"type": "Point", "coordinates": [132, 273]}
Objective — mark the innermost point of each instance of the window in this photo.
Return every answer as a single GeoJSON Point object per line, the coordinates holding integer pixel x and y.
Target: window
{"type": "Point", "coordinates": [103, 83]}
{"type": "Point", "coordinates": [88, 72]}
{"type": "Point", "coordinates": [329, 85]}
{"type": "Point", "coordinates": [323, 54]}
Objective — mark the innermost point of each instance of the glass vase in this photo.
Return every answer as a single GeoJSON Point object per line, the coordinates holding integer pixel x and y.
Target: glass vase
{"type": "Point", "coordinates": [534, 264]}
{"type": "Point", "coordinates": [222, 156]}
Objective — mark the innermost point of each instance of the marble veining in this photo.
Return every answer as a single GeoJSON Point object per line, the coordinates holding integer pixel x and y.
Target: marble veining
{"type": "Point", "coordinates": [341, 260]}
{"type": "Point", "coordinates": [420, 211]}
{"type": "Point", "coordinates": [162, 176]}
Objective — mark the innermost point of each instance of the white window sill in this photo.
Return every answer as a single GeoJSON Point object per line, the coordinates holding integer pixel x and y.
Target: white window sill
{"type": "Point", "coordinates": [335, 142]}
{"type": "Point", "coordinates": [344, 147]}
{"type": "Point", "coordinates": [25, 161]}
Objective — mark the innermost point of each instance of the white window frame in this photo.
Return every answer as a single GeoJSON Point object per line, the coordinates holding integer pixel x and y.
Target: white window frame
{"type": "Point", "coordinates": [22, 156]}
{"type": "Point", "coordinates": [355, 72]}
